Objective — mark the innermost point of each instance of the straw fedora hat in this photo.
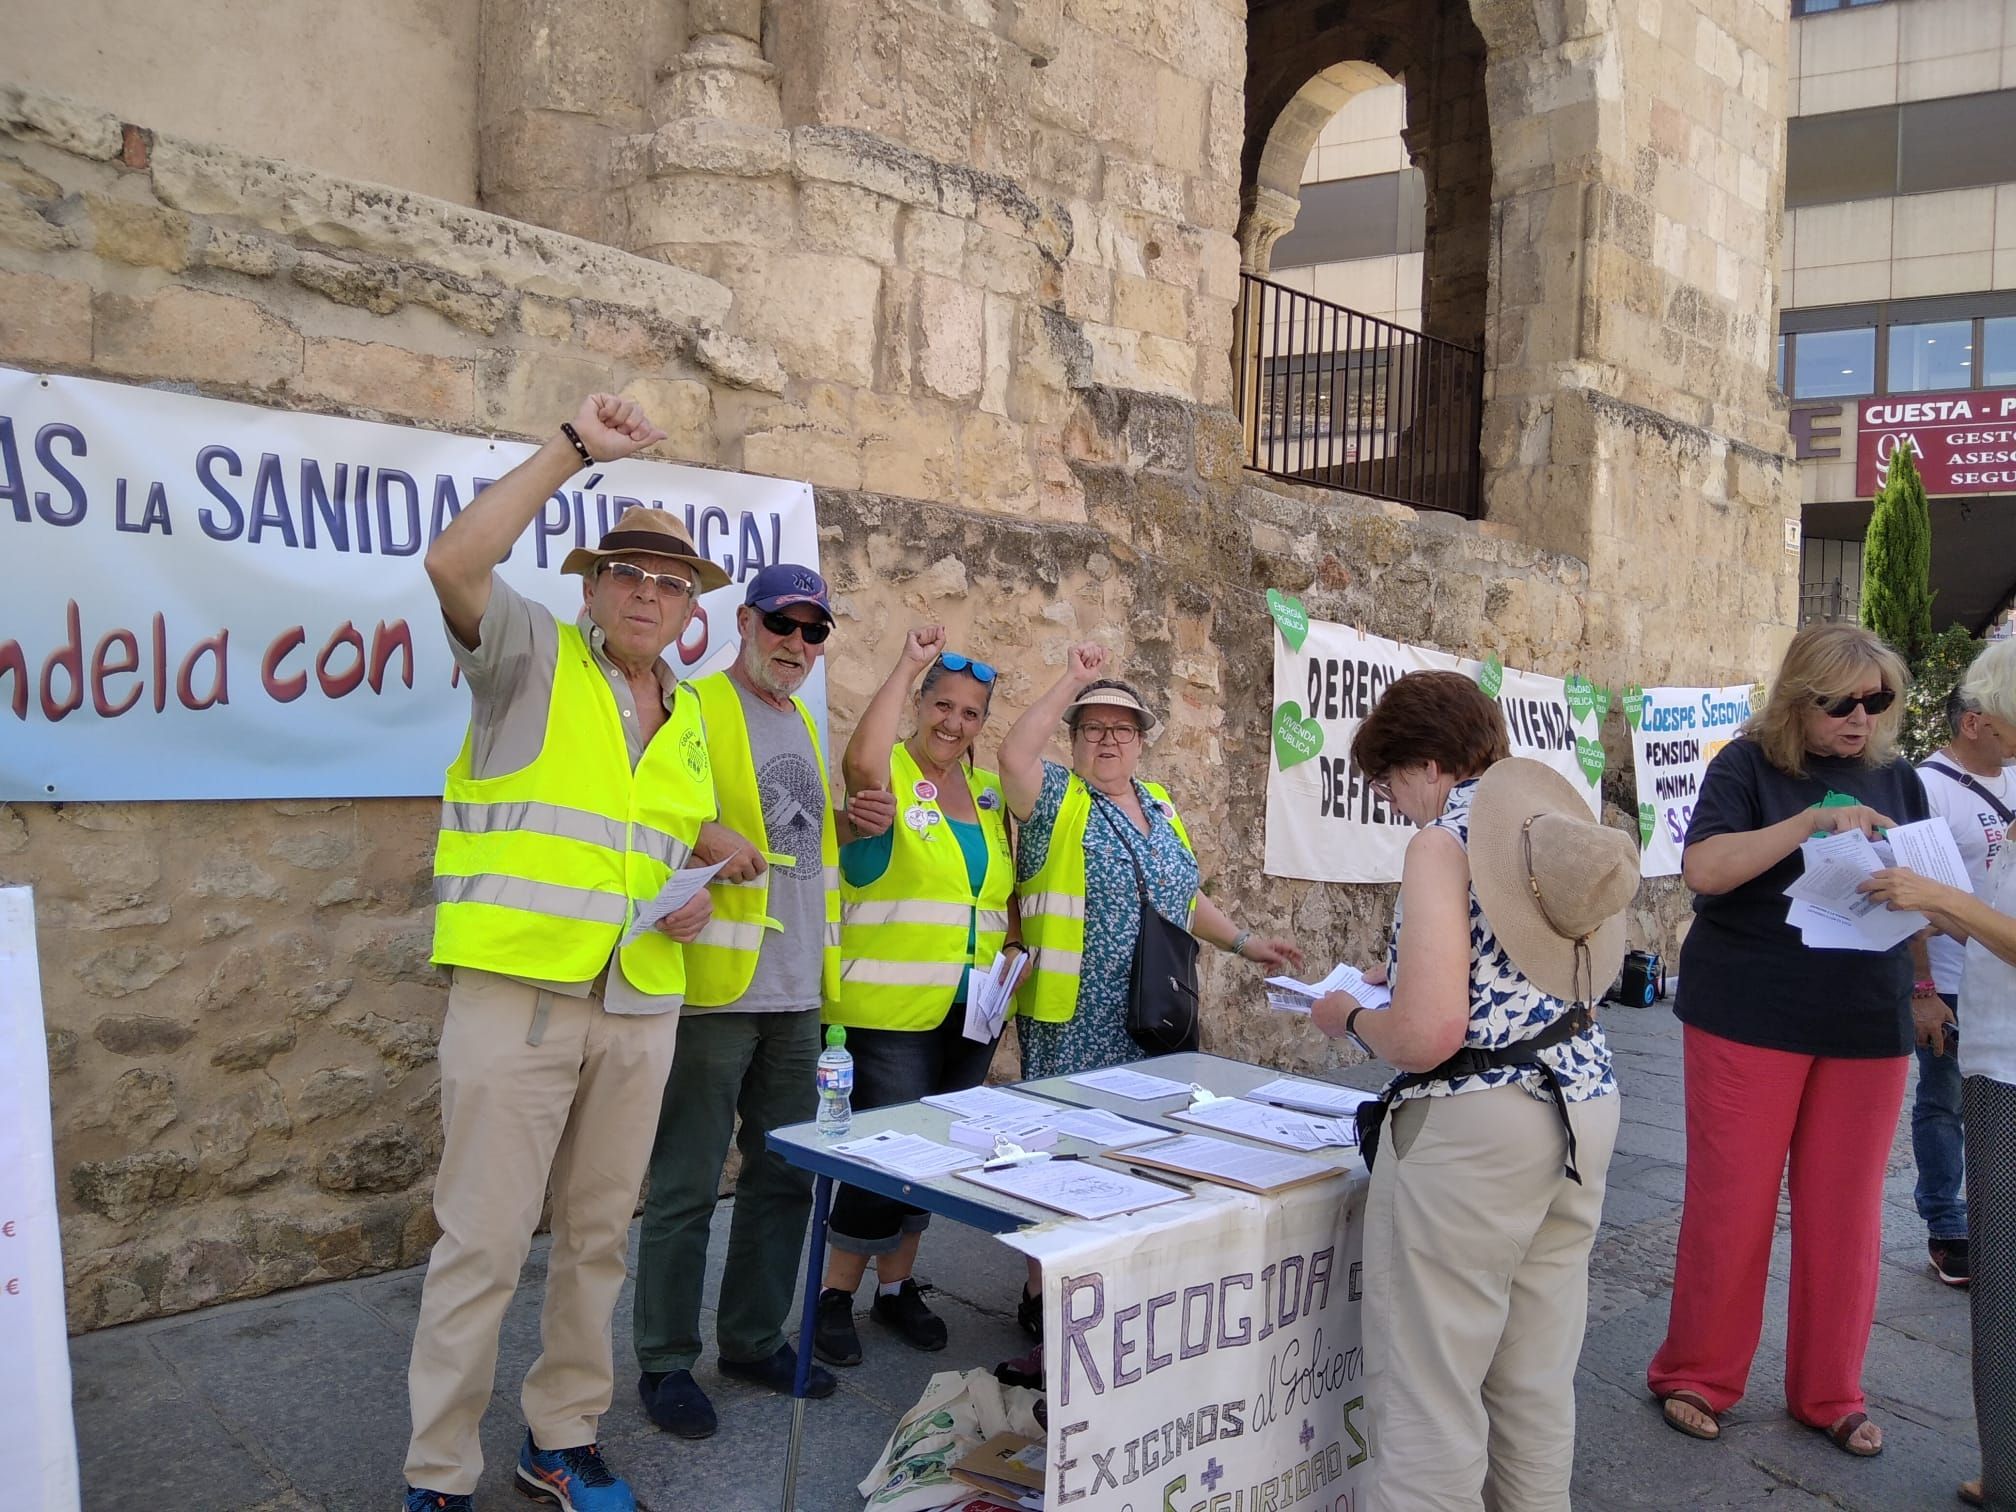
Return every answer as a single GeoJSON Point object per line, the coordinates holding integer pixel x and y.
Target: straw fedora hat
{"type": "Point", "coordinates": [1553, 883]}
{"type": "Point", "coordinates": [1118, 696]}
{"type": "Point", "coordinates": [654, 530]}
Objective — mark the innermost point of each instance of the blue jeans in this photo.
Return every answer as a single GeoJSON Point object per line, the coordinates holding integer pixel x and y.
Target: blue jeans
{"type": "Point", "coordinates": [1936, 1141]}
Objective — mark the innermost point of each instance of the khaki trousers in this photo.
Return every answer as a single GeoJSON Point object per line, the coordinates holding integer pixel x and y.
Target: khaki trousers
{"type": "Point", "coordinates": [577, 1107]}
{"type": "Point", "coordinates": [1477, 1295]}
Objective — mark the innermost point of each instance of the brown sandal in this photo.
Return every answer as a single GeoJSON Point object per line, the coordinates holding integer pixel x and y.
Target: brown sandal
{"type": "Point", "coordinates": [1843, 1433]}
{"type": "Point", "coordinates": [1699, 1404]}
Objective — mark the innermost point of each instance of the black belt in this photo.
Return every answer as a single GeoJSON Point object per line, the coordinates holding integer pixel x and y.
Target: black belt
{"type": "Point", "coordinates": [1474, 1061]}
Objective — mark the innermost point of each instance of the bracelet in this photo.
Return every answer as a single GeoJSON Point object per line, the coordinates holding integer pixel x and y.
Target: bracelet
{"type": "Point", "coordinates": [1238, 945]}
{"type": "Point", "coordinates": [1923, 987]}
{"type": "Point", "coordinates": [574, 438]}
{"type": "Point", "coordinates": [1351, 1033]}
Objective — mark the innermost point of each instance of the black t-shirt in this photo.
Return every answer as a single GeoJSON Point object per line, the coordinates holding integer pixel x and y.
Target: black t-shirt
{"type": "Point", "coordinates": [1743, 972]}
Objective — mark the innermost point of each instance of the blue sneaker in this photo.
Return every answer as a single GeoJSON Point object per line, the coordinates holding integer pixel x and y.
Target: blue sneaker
{"type": "Point", "coordinates": [574, 1480]}
{"type": "Point", "coordinates": [420, 1499]}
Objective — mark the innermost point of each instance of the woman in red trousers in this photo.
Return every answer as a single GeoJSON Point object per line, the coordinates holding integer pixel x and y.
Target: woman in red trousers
{"type": "Point", "coordinates": [1794, 1056]}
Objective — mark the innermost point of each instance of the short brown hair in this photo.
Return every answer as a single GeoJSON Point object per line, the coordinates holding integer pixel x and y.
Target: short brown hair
{"type": "Point", "coordinates": [1441, 717]}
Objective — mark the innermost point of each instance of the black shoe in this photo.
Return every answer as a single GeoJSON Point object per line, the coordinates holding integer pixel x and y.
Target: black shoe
{"type": "Point", "coordinates": [1949, 1261]}
{"type": "Point", "coordinates": [675, 1402]}
{"type": "Point", "coordinates": [833, 1337]}
{"type": "Point", "coordinates": [1025, 1370]}
{"type": "Point", "coordinates": [905, 1312]}
{"type": "Point", "coordinates": [776, 1372]}
{"type": "Point", "coordinates": [420, 1499]}
{"type": "Point", "coordinates": [1029, 1313]}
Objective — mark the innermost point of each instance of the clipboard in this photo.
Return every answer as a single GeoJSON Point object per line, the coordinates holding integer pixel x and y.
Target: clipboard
{"type": "Point", "coordinates": [1305, 1169]}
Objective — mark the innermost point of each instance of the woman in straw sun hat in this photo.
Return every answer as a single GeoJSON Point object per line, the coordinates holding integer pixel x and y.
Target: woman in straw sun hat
{"type": "Point", "coordinates": [1488, 1182]}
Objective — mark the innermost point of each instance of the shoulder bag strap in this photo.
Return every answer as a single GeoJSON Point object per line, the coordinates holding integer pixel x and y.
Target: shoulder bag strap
{"type": "Point", "coordinates": [1967, 781]}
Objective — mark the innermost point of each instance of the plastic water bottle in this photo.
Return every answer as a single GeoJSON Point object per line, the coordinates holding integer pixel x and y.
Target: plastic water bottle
{"type": "Point", "coordinates": [836, 1085]}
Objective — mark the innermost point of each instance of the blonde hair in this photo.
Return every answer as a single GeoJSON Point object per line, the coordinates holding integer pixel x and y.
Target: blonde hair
{"type": "Point", "coordinates": [1826, 661]}
{"type": "Point", "coordinates": [1990, 684]}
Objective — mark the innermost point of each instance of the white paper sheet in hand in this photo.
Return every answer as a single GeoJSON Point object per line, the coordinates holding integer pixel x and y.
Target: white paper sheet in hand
{"type": "Point", "coordinates": [1345, 978]}
{"type": "Point", "coordinates": [989, 997]}
{"type": "Point", "coordinates": [678, 891]}
{"type": "Point", "coordinates": [1927, 848]}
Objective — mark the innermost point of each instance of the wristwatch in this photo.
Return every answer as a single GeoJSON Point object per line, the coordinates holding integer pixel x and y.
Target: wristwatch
{"type": "Point", "coordinates": [1350, 1029]}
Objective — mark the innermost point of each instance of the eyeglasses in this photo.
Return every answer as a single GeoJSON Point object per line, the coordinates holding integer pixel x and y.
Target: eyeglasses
{"type": "Point", "coordinates": [784, 627]}
{"type": "Point", "coordinates": [629, 575]}
{"type": "Point", "coordinates": [952, 661]}
{"type": "Point", "coordinates": [1382, 787]}
{"type": "Point", "coordinates": [1872, 704]}
{"type": "Point", "coordinates": [1118, 734]}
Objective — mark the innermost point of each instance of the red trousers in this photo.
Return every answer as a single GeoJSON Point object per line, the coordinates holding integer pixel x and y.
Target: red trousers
{"type": "Point", "coordinates": [1747, 1110]}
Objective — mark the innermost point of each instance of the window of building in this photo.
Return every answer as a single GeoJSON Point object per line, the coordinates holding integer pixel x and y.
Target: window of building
{"type": "Point", "coordinates": [1820, 7]}
{"type": "Point", "coordinates": [1834, 364]}
{"type": "Point", "coordinates": [1830, 581]}
{"type": "Point", "coordinates": [1782, 339]}
{"type": "Point", "coordinates": [1956, 142]}
{"type": "Point", "coordinates": [1939, 355]}
{"type": "Point", "coordinates": [1998, 358]}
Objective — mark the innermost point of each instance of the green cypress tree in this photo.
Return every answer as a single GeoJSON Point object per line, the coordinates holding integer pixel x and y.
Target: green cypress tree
{"type": "Point", "coordinates": [1897, 561]}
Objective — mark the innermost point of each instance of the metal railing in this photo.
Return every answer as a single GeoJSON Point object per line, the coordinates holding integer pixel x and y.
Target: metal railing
{"type": "Point", "coordinates": [1346, 400]}
{"type": "Point", "coordinates": [1829, 602]}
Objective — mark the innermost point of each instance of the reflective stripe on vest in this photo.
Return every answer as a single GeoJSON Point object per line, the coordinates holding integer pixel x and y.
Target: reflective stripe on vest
{"type": "Point", "coordinates": [903, 936]}
{"type": "Point", "coordinates": [721, 963]}
{"type": "Point", "coordinates": [1053, 905]}
{"type": "Point", "coordinates": [536, 871]}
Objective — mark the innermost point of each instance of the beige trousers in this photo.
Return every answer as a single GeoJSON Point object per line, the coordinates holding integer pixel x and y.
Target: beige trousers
{"type": "Point", "coordinates": [1477, 1295]}
{"type": "Point", "coordinates": [580, 1107]}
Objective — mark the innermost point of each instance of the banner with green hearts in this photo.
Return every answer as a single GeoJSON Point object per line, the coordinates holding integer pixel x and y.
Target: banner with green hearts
{"type": "Point", "coordinates": [1634, 705]}
{"type": "Point", "coordinates": [1647, 815]}
{"type": "Point", "coordinates": [1295, 739]}
{"type": "Point", "coordinates": [1581, 695]}
{"type": "Point", "coordinates": [1589, 756]}
{"type": "Point", "coordinates": [1290, 618]}
{"type": "Point", "coordinates": [1491, 676]}
{"type": "Point", "coordinates": [1602, 702]}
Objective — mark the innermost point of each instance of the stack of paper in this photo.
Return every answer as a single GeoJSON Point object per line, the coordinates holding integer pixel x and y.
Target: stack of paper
{"type": "Point", "coordinates": [1312, 1097]}
{"type": "Point", "coordinates": [1009, 1468]}
{"type": "Point", "coordinates": [1279, 1126]}
{"type": "Point", "coordinates": [1072, 1186]}
{"type": "Point", "coordinates": [1097, 1126]}
{"type": "Point", "coordinates": [1828, 911]}
{"type": "Point", "coordinates": [1229, 1164]}
{"type": "Point", "coordinates": [1138, 1085]}
{"type": "Point", "coordinates": [1025, 1131]}
{"type": "Point", "coordinates": [910, 1156]}
{"type": "Point", "coordinates": [1291, 996]}
{"type": "Point", "coordinates": [987, 1102]}
{"type": "Point", "coordinates": [989, 998]}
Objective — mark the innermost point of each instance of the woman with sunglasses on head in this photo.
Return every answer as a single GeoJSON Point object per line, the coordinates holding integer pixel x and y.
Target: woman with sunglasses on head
{"type": "Point", "coordinates": [1792, 1054]}
{"type": "Point", "coordinates": [921, 906]}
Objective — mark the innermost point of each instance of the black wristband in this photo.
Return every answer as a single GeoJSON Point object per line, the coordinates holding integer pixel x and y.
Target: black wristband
{"type": "Point", "coordinates": [1351, 1032]}
{"type": "Point", "coordinates": [574, 437]}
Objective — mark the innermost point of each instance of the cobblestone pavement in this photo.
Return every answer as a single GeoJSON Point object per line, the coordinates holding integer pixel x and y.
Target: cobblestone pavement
{"type": "Point", "coordinates": [298, 1401]}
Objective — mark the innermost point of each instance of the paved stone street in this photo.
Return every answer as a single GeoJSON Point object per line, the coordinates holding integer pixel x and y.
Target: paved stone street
{"type": "Point", "coordinates": [298, 1401]}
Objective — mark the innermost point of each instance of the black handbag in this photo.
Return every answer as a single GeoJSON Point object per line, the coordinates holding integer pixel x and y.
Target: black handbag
{"type": "Point", "coordinates": [1162, 999]}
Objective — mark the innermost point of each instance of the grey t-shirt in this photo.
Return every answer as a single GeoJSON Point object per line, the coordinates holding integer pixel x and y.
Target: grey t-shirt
{"type": "Point", "coordinates": [794, 813]}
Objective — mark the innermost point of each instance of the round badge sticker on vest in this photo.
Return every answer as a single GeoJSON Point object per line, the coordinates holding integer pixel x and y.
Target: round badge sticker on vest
{"type": "Point", "coordinates": [934, 817]}
{"type": "Point", "coordinates": [1168, 809]}
{"type": "Point", "coordinates": [918, 818]}
{"type": "Point", "coordinates": [926, 791]}
{"type": "Point", "coordinates": [989, 799]}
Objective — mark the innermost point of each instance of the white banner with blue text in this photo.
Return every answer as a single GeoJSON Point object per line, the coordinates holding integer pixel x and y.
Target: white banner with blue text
{"type": "Point", "coordinates": [204, 599]}
{"type": "Point", "coordinates": [1206, 1355]}
{"type": "Point", "coordinates": [1675, 733]}
{"type": "Point", "coordinates": [1324, 821]}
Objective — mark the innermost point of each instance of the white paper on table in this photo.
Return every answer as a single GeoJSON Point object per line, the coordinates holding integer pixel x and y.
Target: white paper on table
{"type": "Point", "coordinates": [1280, 1126]}
{"type": "Point", "coordinates": [989, 997]}
{"type": "Point", "coordinates": [678, 891]}
{"type": "Point", "coordinates": [1076, 1187]}
{"type": "Point", "coordinates": [1927, 848]}
{"type": "Point", "coordinates": [1138, 1085]}
{"type": "Point", "coordinates": [1345, 978]}
{"type": "Point", "coordinates": [1208, 1157]}
{"type": "Point", "coordinates": [908, 1155]}
{"type": "Point", "coordinates": [1102, 1127]}
{"type": "Point", "coordinates": [1026, 1131]}
{"type": "Point", "coordinates": [987, 1102]}
{"type": "Point", "coordinates": [1312, 1097]}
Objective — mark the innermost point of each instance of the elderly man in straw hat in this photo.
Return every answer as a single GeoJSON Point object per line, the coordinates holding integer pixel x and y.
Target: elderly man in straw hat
{"type": "Point", "coordinates": [1487, 1193]}
{"type": "Point", "coordinates": [581, 786]}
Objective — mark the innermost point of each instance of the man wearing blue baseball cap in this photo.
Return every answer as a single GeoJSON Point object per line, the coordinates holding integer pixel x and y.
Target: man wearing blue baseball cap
{"type": "Point", "coordinates": [757, 977]}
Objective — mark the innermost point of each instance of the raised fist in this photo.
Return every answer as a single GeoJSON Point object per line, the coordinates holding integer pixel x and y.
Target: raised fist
{"type": "Point", "coordinates": [923, 644]}
{"type": "Point", "coordinates": [1085, 663]}
{"type": "Point", "coordinates": [613, 428]}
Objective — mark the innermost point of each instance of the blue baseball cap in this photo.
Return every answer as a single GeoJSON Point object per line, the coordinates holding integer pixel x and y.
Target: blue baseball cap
{"type": "Point", "coordinates": [783, 584]}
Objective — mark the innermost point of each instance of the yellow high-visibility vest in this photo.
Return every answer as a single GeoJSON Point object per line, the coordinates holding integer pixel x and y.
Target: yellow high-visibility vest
{"type": "Point", "coordinates": [536, 871]}
{"type": "Point", "coordinates": [903, 937]}
{"type": "Point", "coordinates": [1053, 904]}
{"type": "Point", "coordinates": [721, 963]}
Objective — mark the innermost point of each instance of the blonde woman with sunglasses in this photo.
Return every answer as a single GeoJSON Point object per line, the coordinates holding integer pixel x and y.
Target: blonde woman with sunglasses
{"type": "Point", "coordinates": [1795, 1057]}
{"type": "Point", "coordinates": [922, 904]}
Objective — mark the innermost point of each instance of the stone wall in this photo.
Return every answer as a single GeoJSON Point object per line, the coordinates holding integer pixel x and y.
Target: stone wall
{"type": "Point", "coordinates": [968, 269]}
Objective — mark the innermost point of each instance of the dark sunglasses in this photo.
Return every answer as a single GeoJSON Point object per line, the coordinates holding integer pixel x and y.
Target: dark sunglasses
{"type": "Point", "coordinates": [784, 627]}
{"type": "Point", "coordinates": [1872, 704]}
{"type": "Point", "coordinates": [952, 661]}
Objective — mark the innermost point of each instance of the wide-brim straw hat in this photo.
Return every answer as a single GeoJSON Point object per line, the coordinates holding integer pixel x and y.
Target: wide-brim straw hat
{"type": "Point", "coordinates": [654, 530]}
{"type": "Point", "coordinates": [1118, 698]}
{"type": "Point", "coordinates": [1553, 882]}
